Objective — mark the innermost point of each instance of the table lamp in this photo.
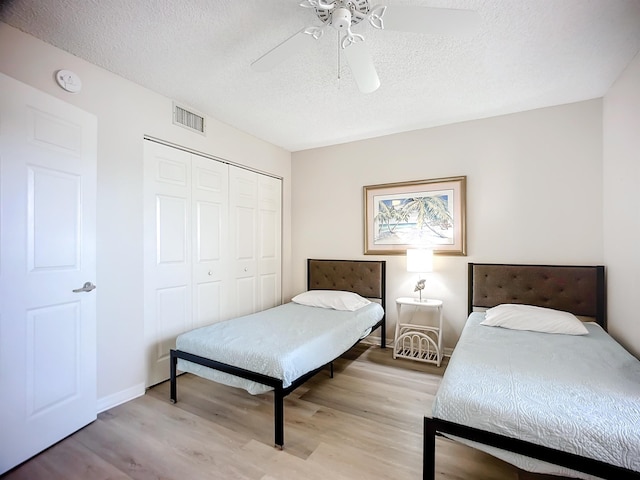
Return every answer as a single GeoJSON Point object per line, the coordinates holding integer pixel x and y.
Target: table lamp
{"type": "Point", "coordinates": [419, 260]}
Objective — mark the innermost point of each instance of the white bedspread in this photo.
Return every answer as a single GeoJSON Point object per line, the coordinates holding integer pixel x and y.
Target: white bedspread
{"type": "Point", "coordinates": [284, 342]}
{"type": "Point", "coordinates": [580, 394]}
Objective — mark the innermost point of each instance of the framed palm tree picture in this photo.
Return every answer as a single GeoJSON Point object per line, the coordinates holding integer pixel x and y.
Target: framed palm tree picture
{"type": "Point", "coordinates": [422, 213]}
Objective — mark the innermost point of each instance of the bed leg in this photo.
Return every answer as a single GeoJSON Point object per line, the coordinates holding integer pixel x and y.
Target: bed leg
{"type": "Point", "coordinates": [429, 450]}
{"type": "Point", "coordinates": [278, 416]}
{"type": "Point", "coordinates": [383, 334]}
{"type": "Point", "coordinates": [173, 360]}
{"type": "Point", "coordinates": [331, 365]}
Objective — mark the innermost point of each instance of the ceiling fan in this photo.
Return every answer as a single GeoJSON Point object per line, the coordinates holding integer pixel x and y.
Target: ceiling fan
{"type": "Point", "coordinates": [342, 15]}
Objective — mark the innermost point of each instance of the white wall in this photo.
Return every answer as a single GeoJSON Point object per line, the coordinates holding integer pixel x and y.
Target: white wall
{"type": "Point", "coordinates": [126, 112]}
{"type": "Point", "coordinates": [534, 195]}
{"type": "Point", "coordinates": [621, 125]}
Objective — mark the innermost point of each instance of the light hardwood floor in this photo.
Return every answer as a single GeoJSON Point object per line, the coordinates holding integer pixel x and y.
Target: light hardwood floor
{"type": "Point", "coordinates": [364, 424]}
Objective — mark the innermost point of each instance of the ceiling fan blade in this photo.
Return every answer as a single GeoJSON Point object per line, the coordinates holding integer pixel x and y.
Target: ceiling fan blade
{"type": "Point", "coordinates": [439, 21]}
{"type": "Point", "coordinates": [362, 68]}
{"type": "Point", "coordinates": [292, 45]}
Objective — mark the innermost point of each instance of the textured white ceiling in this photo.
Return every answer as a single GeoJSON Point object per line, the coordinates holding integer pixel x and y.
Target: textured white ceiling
{"type": "Point", "coordinates": [527, 54]}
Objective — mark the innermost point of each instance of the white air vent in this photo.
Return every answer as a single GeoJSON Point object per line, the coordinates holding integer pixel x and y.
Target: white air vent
{"type": "Point", "coordinates": [188, 119]}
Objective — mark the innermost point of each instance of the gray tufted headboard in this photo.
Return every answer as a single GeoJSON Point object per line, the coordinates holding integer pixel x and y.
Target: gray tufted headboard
{"type": "Point", "coordinates": [576, 289]}
{"type": "Point", "coordinates": [364, 277]}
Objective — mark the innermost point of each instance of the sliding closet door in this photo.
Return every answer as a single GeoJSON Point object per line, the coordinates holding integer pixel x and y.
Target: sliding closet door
{"type": "Point", "coordinates": [167, 253]}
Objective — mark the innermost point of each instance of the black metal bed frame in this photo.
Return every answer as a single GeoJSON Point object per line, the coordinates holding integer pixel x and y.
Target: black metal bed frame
{"type": "Point", "coordinates": [279, 391]}
{"type": "Point", "coordinates": [436, 427]}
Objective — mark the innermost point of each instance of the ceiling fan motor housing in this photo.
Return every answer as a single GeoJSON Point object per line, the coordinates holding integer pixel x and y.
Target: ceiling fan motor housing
{"type": "Point", "coordinates": [341, 18]}
{"type": "Point", "coordinates": [330, 16]}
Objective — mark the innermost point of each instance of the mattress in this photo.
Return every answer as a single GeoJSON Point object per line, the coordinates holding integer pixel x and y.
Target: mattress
{"type": "Point", "coordinates": [579, 394]}
{"type": "Point", "coordinates": [283, 342]}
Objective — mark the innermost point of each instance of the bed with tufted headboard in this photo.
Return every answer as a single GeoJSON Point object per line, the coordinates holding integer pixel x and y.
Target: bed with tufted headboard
{"type": "Point", "coordinates": [280, 348]}
{"type": "Point", "coordinates": [547, 390]}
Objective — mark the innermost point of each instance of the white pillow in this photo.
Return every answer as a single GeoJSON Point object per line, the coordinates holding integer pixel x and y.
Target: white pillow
{"type": "Point", "coordinates": [535, 319]}
{"type": "Point", "coordinates": [336, 299]}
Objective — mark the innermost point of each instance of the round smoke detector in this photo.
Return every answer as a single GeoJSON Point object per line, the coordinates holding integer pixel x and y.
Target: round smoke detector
{"type": "Point", "coordinates": [69, 81]}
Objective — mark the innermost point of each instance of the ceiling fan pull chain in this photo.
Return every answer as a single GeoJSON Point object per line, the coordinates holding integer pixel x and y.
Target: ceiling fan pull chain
{"type": "Point", "coordinates": [375, 17]}
{"type": "Point", "coordinates": [339, 66]}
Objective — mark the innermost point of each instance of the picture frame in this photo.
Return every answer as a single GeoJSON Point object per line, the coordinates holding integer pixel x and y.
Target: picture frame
{"type": "Point", "coordinates": [414, 214]}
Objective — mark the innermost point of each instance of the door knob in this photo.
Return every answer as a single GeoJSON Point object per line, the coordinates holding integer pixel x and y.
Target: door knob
{"type": "Point", "coordinates": [87, 287]}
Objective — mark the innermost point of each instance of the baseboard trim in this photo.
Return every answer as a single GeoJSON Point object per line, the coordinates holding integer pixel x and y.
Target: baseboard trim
{"type": "Point", "coordinates": [110, 401]}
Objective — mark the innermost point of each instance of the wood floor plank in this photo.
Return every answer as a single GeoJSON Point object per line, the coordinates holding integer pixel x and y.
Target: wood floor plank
{"type": "Point", "coordinates": [365, 423]}
{"type": "Point", "coordinates": [291, 467]}
{"type": "Point", "coordinates": [68, 459]}
{"type": "Point", "coordinates": [145, 441]}
{"type": "Point", "coordinates": [353, 461]}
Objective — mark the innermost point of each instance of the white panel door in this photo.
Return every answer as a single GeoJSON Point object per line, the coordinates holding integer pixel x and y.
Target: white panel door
{"type": "Point", "coordinates": [48, 152]}
{"type": "Point", "coordinates": [269, 241]}
{"type": "Point", "coordinates": [243, 217]}
{"type": "Point", "coordinates": [210, 213]}
{"type": "Point", "coordinates": [167, 253]}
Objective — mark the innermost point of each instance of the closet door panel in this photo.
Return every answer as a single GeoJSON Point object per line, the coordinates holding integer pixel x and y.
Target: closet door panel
{"type": "Point", "coordinates": [270, 241]}
{"type": "Point", "coordinates": [167, 253]}
{"type": "Point", "coordinates": [207, 303]}
{"type": "Point", "coordinates": [172, 306]}
{"type": "Point", "coordinates": [171, 230]}
{"type": "Point", "coordinates": [210, 230]}
{"type": "Point", "coordinates": [243, 211]}
{"type": "Point", "coordinates": [269, 291]}
{"type": "Point", "coordinates": [245, 296]}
